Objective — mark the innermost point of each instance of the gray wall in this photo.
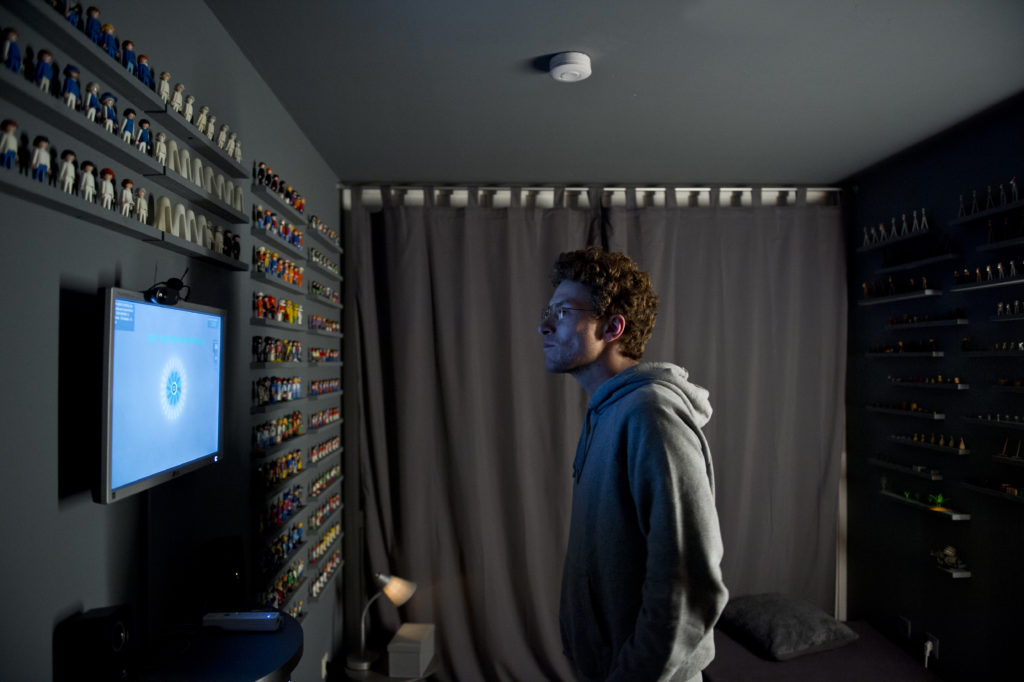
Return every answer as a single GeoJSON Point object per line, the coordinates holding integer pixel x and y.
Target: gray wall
{"type": "Point", "coordinates": [64, 552]}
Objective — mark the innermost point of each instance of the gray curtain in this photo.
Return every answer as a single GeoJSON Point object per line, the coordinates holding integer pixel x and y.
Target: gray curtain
{"type": "Point", "coordinates": [466, 443]}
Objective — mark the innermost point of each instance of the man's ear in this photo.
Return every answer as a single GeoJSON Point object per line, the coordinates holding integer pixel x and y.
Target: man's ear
{"type": "Point", "coordinates": [614, 328]}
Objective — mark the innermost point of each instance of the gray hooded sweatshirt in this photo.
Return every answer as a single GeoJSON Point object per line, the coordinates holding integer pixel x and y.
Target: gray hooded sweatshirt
{"type": "Point", "coordinates": [642, 586]}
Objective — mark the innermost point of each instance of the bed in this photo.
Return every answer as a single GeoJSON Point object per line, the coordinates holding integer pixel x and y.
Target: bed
{"type": "Point", "coordinates": [773, 638]}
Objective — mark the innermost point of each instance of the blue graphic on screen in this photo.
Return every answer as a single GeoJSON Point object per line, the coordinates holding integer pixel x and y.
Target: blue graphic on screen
{"type": "Point", "coordinates": [165, 400]}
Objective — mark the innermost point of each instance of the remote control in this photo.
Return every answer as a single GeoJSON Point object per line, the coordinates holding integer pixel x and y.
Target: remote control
{"type": "Point", "coordinates": [249, 621]}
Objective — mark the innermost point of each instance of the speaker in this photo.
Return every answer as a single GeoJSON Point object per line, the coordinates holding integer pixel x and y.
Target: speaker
{"type": "Point", "coordinates": [95, 645]}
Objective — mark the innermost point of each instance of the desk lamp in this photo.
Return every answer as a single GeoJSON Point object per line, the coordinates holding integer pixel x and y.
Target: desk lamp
{"type": "Point", "coordinates": [398, 591]}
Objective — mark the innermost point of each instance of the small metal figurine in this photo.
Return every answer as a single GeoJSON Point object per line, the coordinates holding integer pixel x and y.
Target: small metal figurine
{"type": "Point", "coordinates": [1002, 195]}
{"type": "Point", "coordinates": [8, 143]}
{"type": "Point", "coordinates": [87, 182]}
{"type": "Point", "coordinates": [924, 221]}
{"type": "Point", "coordinates": [1013, 190]}
{"type": "Point", "coordinates": [44, 70]}
{"type": "Point", "coordinates": [72, 90]}
{"type": "Point", "coordinates": [12, 53]}
{"type": "Point", "coordinates": [989, 201]}
{"type": "Point", "coordinates": [67, 171]}
{"type": "Point", "coordinates": [1000, 272]}
{"type": "Point", "coordinates": [974, 201]}
{"type": "Point", "coordinates": [1013, 269]}
{"type": "Point", "coordinates": [40, 158]}
{"type": "Point", "coordinates": [962, 212]}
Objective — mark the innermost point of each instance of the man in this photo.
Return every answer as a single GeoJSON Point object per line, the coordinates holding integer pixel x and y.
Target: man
{"type": "Point", "coordinates": [642, 585]}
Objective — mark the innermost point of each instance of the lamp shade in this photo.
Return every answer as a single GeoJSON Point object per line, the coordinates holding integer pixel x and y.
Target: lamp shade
{"type": "Point", "coordinates": [398, 590]}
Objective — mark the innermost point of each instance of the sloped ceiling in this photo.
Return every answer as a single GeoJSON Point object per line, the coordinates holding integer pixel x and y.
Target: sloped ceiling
{"type": "Point", "coordinates": [684, 91]}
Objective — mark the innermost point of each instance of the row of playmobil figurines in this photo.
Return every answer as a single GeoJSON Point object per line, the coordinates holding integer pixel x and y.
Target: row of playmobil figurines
{"type": "Point", "coordinates": [124, 53]}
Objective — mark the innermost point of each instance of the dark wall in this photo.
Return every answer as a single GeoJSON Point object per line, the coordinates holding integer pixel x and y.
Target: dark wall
{"type": "Point", "coordinates": [891, 573]}
{"type": "Point", "coordinates": [155, 551]}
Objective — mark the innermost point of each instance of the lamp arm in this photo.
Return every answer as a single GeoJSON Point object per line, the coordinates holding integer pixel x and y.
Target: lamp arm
{"type": "Point", "coordinates": [362, 624]}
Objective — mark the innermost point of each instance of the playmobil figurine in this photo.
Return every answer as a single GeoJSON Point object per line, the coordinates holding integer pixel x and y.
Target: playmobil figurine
{"type": "Point", "coordinates": [143, 71]}
{"type": "Point", "coordinates": [222, 136]}
{"type": "Point", "coordinates": [93, 29]}
{"type": "Point", "coordinates": [238, 151]}
{"type": "Point", "coordinates": [127, 197]}
{"type": "Point", "coordinates": [73, 13]}
{"type": "Point", "coordinates": [163, 88]}
{"type": "Point", "coordinates": [229, 146]}
{"type": "Point", "coordinates": [67, 171]}
{"type": "Point", "coordinates": [161, 149]}
{"type": "Point", "coordinates": [141, 205]}
{"type": "Point", "coordinates": [12, 53]}
{"type": "Point", "coordinates": [210, 128]}
{"type": "Point", "coordinates": [40, 158]}
{"type": "Point", "coordinates": [8, 143]}
{"type": "Point", "coordinates": [109, 113]}
{"type": "Point", "coordinates": [128, 56]}
{"type": "Point", "coordinates": [72, 90]}
{"type": "Point", "coordinates": [189, 103]}
{"type": "Point", "coordinates": [259, 172]}
{"type": "Point", "coordinates": [177, 99]}
{"type": "Point", "coordinates": [87, 182]}
{"type": "Point", "coordinates": [142, 139]}
{"type": "Point", "coordinates": [107, 40]}
{"type": "Point", "coordinates": [204, 112]}
{"type": "Point", "coordinates": [107, 188]}
{"type": "Point", "coordinates": [128, 126]}
{"type": "Point", "coordinates": [1013, 189]}
{"type": "Point", "coordinates": [91, 103]}
{"type": "Point", "coordinates": [44, 70]}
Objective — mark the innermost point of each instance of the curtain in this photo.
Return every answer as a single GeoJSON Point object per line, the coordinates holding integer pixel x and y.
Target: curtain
{"type": "Point", "coordinates": [466, 443]}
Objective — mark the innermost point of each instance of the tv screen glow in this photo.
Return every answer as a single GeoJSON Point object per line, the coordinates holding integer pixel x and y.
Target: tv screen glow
{"type": "Point", "coordinates": [163, 399]}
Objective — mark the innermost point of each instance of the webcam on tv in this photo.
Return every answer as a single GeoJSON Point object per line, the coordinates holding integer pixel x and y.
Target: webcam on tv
{"type": "Point", "coordinates": [169, 292]}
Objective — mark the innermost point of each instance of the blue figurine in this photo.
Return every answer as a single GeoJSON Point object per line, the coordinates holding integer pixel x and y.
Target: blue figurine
{"type": "Point", "coordinates": [72, 90]}
{"type": "Point", "coordinates": [109, 112]}
{"type": "Point", "coordinates": [143, 71]}
{"type": "Point", "coordinates": [12, 53]}
{"type": "Point", "coordinates": [107, 40]}
{"type": "Point", "coordinates": [128, 126]}
{"type": "Point", "coordinates": [73, 14]}
{"type": "Point", "coordinates": [128, 56]}
{"type": "Point", "coordinates": [44, 70]}
{"type": "Point", "coordinates": [143, 141]}
{"type": "Point", "coordinates": [93, 29]}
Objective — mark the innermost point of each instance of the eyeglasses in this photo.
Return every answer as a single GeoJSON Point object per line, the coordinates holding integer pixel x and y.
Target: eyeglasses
{"type": "Point", "coordinates": [559, 312]}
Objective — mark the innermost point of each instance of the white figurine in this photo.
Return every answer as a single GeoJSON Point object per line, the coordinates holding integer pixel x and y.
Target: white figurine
{"type": "Point", "coordinates": [189, 102]}
{"type": "Point", "coordinates": [210, 128]}
{"type": "Point", "coordinates": [91, 103]}
{"type": "Point", "coordinates": [222, 137]}
{"type": "Point", "coordinates": [87, 182]}
{"type": "Point", "coordinates": [67, 171]}
{"type": "Point", "coordinates": [204, 112]}
{"type": "Point", "coordinates": [229, 146]}
{"type": "Point", "coordinates": [127, 198]}
{"type": "Point", "coordinates": [161, 149]}
{"type": "Point", "coordinates": [238, 151]}
{"type": "Point", "coordinates": [178, 98]}
{"type": "Point", "coordinates": [163, 88]}
{"type": "Point", "coordinates": [107, 188]}
{"type": "Point", "coordinates": [924, 221]}
{"type": "Point", "coordinates": [141, 206]}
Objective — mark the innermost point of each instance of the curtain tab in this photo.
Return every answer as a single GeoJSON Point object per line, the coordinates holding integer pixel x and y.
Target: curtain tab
{"type": "Point", "coordinates": [801, 196]}
{"type": "Point", "coordinates": [559, 197]}
{"type": "Point", "coordinates": [631, 198]}
{"type": "Point", "coordinates": [755, 197]}
{"type": "Point", "coordinates": [473, 197]}
{"type": "Point", "coordinates": [670, 197]}
{"type": "Point", "coordinates": [515, 198]}
{"type": "Point", "coordinates": [714, 196]}
{"type": "Point", "coordinates": [428, 196]}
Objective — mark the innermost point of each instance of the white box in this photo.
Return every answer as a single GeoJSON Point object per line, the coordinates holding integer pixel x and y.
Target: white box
{"type": "Point", "coordinates": [411, 650]}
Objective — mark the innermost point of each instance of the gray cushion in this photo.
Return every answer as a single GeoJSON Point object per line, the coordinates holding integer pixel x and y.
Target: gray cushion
{"type": "Point", "coordinates": [779, 627]}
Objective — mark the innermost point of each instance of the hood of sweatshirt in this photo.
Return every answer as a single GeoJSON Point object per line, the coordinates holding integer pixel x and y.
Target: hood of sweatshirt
{"type": "Point", "coordinates": [694, 399]}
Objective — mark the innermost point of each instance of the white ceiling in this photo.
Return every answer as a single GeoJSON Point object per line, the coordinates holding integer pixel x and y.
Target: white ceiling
{"type": "Point", "coordinates": [683, 91]}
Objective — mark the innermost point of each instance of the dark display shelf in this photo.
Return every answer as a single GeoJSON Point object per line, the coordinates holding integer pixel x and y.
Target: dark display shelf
{"type": "Point", "coordinates": [916, 414]}
{"type": "Point", "coordinates": [275, 282]}
{"type": "Point", "coordinates": [918, 263]}
{"type": "Point", "coordinates": [262, 193]}
{"type": "Point", "coordinates": [992, 492]}
{"type": "Point", "coordinates": [988, 284]}
{"type": "Point", "coordinates": [959, 322]}
{"type": "Point", "coordinates": [930, 386]}
{"type": "Point", "coordinates": [981, 215]}
{"type": "Point", "coordinates": [995, 423]}
{"type": "Point", "coordinates": [910, 442]}
{"type": "Point", "coordinates": [947, 513]}
{"type": "Point", "coordinates": [276, 242]}
{"type": "Point", "coordinates": [909, 471]}
{"type": "Point", "coordinates": [881, 300]}
{"type": "Point", "coordinates": [923, 354]}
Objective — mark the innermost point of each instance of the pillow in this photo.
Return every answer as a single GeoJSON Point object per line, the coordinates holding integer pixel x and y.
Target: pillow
{"type": "Point", "coordinates": [778, 627]}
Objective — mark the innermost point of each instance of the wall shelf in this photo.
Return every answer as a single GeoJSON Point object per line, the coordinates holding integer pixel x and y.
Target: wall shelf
{"type": "Point", "coordinates": [991, 492]}
{"type": "Point", "coordinates": [955, 573]}
{"type": "Point", "coordinates": [959, 322]}
{"type": "Point", "coordinates": [881, 300]}
{"type": "Point", "coordinates": [1006, 318]}
{"type": "Point", "coordinates": [923, 354]}
{"type": "Point", "coordinates": [948, 513]}
{"type": "Point", "coordinates": [988, 284]}
{"type": "Point", "coordinates": [988, 213]}
{"type": "Point", "coordinates": [910, 442]}
{"type": "Point", "coordinates": [275, 282]}
{"type": "Point", "coordinates": [1004, 244]}
{"type": "Point", "coordinates": [930, 386]}
{"type": "Point", "coordinates": [918, 414]}
{"type": "Point", "coordinates": [176, 125]}
{"type": "Point", "coordinates": [324, 271]}
{"type": "Point", "coordinates": [266, 322]}
{"type": "Point", "coordinates": [918, 263]}
{"type": "Point", "coordinates": [324, 241]}
{"type": "Point", "coordinates": [1009, 389]}
{"type": "Point", "coordinates": [1013, 461]}
{"type": "Point", "coordinates": [890, 242]}
{"type": "Point", "coordinates": [262, 193]}
{"type": "Point", "coordinates": [993, 354]}
{"type": "Point", "coordinates": [277, 242]}
{"type": "Point", "coordinates": [276, 365]}
{"type": "Point", "coordinates": [324, 301]}
{"type": "Point", "coordinates": [271, 407]}
{"type": "Point", "coordinates": [930, 475]}
{"type": "Point", "coordinates": [1019, 426]}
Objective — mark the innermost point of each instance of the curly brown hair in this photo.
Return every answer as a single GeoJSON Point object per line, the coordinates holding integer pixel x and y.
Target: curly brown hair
{"type": "Point", "coordinates": [617, 287]}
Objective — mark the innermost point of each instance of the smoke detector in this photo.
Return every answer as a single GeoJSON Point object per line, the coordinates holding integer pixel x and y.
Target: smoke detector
{"type": "Point", "coordinates": [569, 67]}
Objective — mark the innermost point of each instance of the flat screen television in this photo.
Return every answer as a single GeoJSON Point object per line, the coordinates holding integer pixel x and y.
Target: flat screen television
{"type": "Point", "coordinates": [163, 392]}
